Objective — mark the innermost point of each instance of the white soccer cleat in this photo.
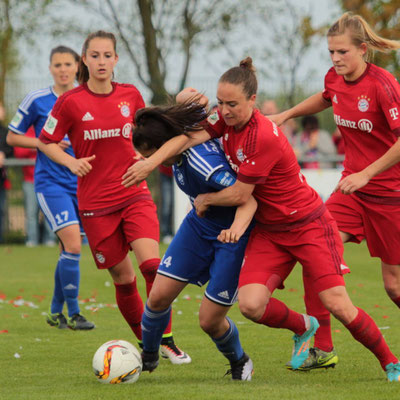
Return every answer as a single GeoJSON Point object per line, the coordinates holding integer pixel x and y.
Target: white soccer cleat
{"type": "Point", "coordinates": [174, 353]}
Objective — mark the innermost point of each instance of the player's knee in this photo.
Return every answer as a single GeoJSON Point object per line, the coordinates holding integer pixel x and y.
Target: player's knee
{"type": "Point", "coordinates": [251, 309]}
{"type": "Point", "coordinates": [209, 325]}
{"type": "Point", "coordinates": [157, 302]}
{"type": "Point", "coordinates": [149, 269]}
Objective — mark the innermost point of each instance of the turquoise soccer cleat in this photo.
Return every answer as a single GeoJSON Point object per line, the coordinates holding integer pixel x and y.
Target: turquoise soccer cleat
{"type": "Point", "coordinates": [302, 343]}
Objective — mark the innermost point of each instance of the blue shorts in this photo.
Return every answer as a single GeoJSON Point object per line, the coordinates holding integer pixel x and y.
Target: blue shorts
{"type": "Point", "coordinates": [60, 209]}
{"type": "Point", "coordinates": [196, 256]}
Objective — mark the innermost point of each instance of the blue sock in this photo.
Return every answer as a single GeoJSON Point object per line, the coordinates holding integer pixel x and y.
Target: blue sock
{"type": "Point", "coordinates": [69, 276]}
{"type": "Point", "coordinates": [229, 344]}
{"type": "Point", "coordinates": [57, 302]}
{"type": "Point", "coordinates": [153, 327]}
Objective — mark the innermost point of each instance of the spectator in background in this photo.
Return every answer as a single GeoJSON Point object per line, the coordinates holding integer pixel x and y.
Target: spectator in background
{"type": "Point", "coordinates": [313, 142]}
{"type": "Point", "coordinates": [33, 222]}
{"type": "Point", "coordinates": [289, 128]}
{"type": "Point", "coordinates": [5, 151]}
{"type": "Point", "coordinates": [167, 204]}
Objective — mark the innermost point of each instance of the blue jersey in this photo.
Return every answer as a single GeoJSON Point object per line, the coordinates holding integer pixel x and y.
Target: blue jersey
{"type": "Point", "coordinates": [204, 169]}
{"type": "Point", "coordinates": [33, 111]}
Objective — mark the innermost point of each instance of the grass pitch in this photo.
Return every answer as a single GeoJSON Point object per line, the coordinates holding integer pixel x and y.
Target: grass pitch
{"type": "Point", "coordinates": [41, 362]}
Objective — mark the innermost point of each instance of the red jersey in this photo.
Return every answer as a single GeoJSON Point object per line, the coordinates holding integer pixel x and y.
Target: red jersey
{"type": "Point", "coordinates": [99, 124]}
{"type": "Point", "coordinates": [261, 155]}
{"type": "Point", "coordinates": [367, 113]}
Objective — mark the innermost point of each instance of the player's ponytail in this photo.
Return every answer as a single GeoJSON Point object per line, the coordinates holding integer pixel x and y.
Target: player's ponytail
{"type": "Point", "coordinates": [361, 32]}
{"type": "Point", "coordinates": [244, 75]}
{"type": "Point", "coordinates": [83, 72]}
{"type": "Point", "coordinates": [156, 125]}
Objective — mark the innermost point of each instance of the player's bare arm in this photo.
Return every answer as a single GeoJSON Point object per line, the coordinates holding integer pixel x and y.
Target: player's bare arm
{"type": "Point", "coordinates": [16, 140]}
{"type": "Point", "coordinates": [356, 181]}
{"type": "Point", "coordinates": [236, 195]}
{"type": "Point", "coordinates": [79, 167]}
{"type": "Point", "coordinates": [140, 170]}
{"type": "Point", "coordinates": [243, 216]}
{"type": "Point", "coordinates": [312, 105]}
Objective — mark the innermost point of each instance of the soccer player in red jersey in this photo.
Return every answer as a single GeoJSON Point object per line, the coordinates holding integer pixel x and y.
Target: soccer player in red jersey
{"type": "Point", "coordinates": [366, 105]}
{"type": "Point", "coordinates": [98, 117]}
{"type": "Point", "coordinates": [292, 223]}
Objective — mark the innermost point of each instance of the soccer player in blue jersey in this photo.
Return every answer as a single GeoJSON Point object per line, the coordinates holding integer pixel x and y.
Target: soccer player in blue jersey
{"type": "Point", "coordinates": [55, 188]}
{"type": "Point", "coordinates": [195, 254]}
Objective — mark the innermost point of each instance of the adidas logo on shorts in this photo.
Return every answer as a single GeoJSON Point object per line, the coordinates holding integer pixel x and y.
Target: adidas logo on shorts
{"type": "Point", "coordinates": [224, 294]}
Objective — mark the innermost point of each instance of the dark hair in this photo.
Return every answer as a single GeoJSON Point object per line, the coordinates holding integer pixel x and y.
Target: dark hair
{"type": "Point", "coordinates": [156, 125]}
{"type": "Point", "coordinates": [83, 72]}
{"type": "Point", "coordinates": [310, 122]}
{"type": "Point", "coordinates": [244, 74]}
{"type": "Point", "coordinates": [63, 50]}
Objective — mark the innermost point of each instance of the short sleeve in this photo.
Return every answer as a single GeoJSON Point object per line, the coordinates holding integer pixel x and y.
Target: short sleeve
{"type": "Point", "coordinates": [215, 125]}
{"type": "Point", "coordinates": [256, 167]}
{"type": "Point", "coordinates": [58, 122]}
{"type": "Point", "coordinates": [388, 93]}
{"type": "Point", "coordinates": [23, 119]}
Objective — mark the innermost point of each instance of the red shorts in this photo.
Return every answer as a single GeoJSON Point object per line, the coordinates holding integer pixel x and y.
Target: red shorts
{"type": "Point", "coordinates": [271, 256]}
{"type": "Point", "coordinates": [378, 224]}
{"type": "Point", "coordinates": [110, 235]}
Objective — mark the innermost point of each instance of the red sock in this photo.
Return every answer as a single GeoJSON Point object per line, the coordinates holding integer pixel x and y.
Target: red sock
{"type": "Point", "coordinates": [149, 271]}
{"type": "Point", "coordinates": [396, 301]}
{"type": "Point", "coordinates": [131, 305]}
{"type": "Point", "coordinates": [278, 315]}
{"type": "Point", "coordinates": [364, 329]}
{"type": "Point", "coordinates": [314, 307]}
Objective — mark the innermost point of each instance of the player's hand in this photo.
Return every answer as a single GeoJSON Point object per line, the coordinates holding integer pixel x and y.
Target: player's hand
{"type": "Point", "coordinates": [63, 144]}
{"type": "Point", "coordinates": [191, 94]}
{"type": "Point", "coordinates": [352, 183]}
{"type": "Point", "coordinates": [137, 173]}
{"type": "Point", "coordinates": [81, 166]}
{"type": "Point", "coordinates": [228, 236]}
{"type": "Point", "coordinates": [279, 119]}
{"type": "Point", "coordinates": [200, 204]}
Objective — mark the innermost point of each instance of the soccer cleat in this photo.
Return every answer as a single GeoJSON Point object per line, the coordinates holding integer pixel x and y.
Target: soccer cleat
{"type": "Point", "coordinates": [168, 349]}
{"type": "Point", "coordinates": [79, 323]}
{"type": "Point", "coordinates": [57, 319]}
{"type": "Point", "coordinates": [302, 342]}
{"type": "Point", "coordinates": [241, 370]}
{"type": "Point", "coordinates": [317, 359]}
{"type": "Point", "coordinates": [149, 360]}
{"type": "Point", "coordinates": [393, 372]}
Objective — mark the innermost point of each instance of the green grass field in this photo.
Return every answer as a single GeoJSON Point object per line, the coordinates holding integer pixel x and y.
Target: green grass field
{"type": "Point", "coordinates": [40, 362]}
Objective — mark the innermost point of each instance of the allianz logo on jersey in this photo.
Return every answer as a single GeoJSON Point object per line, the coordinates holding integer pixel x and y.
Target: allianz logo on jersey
{"type": "Point", "coordinates": [363, 124]}
{"type": "Point", "coordinates": [94, 134]}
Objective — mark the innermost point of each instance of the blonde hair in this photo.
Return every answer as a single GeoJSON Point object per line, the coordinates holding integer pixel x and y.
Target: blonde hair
{"type": "Point", "coordinates": [244, 74]}
{"type": "Point", "coordinates": [361, 32]}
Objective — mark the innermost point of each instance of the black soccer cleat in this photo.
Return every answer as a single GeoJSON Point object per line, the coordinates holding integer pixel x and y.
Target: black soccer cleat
{"type": "Point", "coordinates": [149, 360]}
{"type": "Point", "coordinates": [241, 370]}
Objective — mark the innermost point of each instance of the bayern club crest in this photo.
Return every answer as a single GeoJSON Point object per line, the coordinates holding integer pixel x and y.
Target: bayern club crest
{"type": "Point", "coordinates": [124, 108]}
{"type": "Point", "coordinates": [240, 156]}
{"type": "Point", "coordinates": [363, 103]}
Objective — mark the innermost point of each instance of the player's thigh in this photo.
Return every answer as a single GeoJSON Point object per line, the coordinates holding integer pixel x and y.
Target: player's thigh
{"type": "Point", "coordinates": [141, 229]}
{"type": "Point", "coordinates": [265, 262]}
{"type": "Point", "coordinates": [224, 272]}
{"type": "Point", "coordinates": [189, 256]}
{"type": "Point", "coordinates": [59, 208]}
{"type": "Point", "coordinates": [348, 214]}
{"type": "Point", "coordinates": [106, 239]}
